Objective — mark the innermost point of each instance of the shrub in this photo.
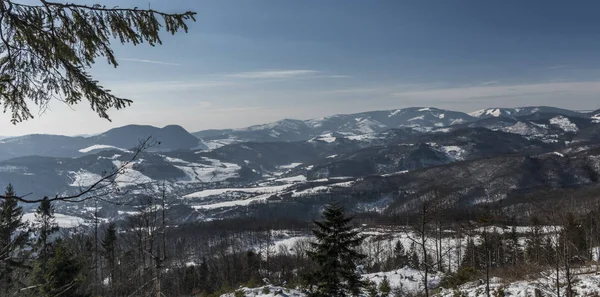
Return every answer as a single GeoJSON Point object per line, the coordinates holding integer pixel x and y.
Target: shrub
{"type": "Point", "coordinates": [458, 278]}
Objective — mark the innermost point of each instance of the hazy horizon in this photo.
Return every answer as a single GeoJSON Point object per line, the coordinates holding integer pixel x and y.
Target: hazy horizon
{"type": "Point", "coordinates": [92, 133]}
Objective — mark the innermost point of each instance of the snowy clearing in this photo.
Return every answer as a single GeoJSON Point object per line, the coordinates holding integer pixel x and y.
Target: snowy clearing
{"type": "Point", "coordinates": [63, 220]}
{"type": "Point", "coordinates": [83, 178]}
{"type": "Point", "coordinates": [257, 190]}
{"type": "Point", "coordinates": [564, 124]}
{"type": "Point", "coordinates": [101, 147]}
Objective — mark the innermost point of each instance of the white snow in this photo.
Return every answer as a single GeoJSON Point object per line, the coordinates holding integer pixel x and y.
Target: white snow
{"type": "Point", "coordinates": [273, 291]}
{"type": "Point", "coordinates": [425, 109]}
{"type": "Point", "coordinates": [213, 171]}
{"type": "Point", "coordinates": [359, 137]}
{"type": "Point", "coordinates": [292, 179]}
{"type": "Point", "coordinates": [455, 152]}
{"type": "Point", "coordinates": [406, 279]}
{"type": "Point", "coordinates": [129, 176]}
{"type": "Point", "coordinates": [368, 125]}
{"type": "Point", "coordinates": [395, 173]}
{"type": "Point", "coordinates": [327, 137]}
{"type": "Point", "coordinates": [586, 283]}
{"type": "Point", "coordinates": [83, 178]}
{"type": "Point", "coordinates": [596, 118]}
{"type": "Point", "coordinates": [257, 190]}
{"type": "Point", "coordinates": [217, 143]}
{"type": "Point", "coordinates": [522, 128]}
{"type": "Point", "coordinates": [233, 203]}
{"type": "Point", "coordinates": [290, 166]}
{"type": "Point", "coordinates": [421, 117]}
{"type": "Point", "coordinates": [101, 147]}
{"type": "Point", "coordinates": [395, 112]}
{"type": "Point", "coordinates": [62, 220]}
{"type": "Point", "coordinates": [564, 124]}
{"type": "Point", "coordinates": [321, 189]}
{"type": "Point", "coordinates": [331, 157]}
{"type": "Point", "coordinates": [495, 112]}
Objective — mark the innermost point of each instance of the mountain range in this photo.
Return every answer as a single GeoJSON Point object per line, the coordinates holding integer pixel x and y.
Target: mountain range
{"type": "Point", "coordinates": [377, 160]}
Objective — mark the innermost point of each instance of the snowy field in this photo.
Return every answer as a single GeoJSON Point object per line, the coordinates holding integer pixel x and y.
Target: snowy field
{"type": "Point", "coordinates": [587, 283]}
{"type": "Point", "coordinates": [63, 220]}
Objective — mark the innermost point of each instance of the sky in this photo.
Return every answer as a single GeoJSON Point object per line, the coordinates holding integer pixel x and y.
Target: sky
{"type": "Point", "coordinates": [252, 62]}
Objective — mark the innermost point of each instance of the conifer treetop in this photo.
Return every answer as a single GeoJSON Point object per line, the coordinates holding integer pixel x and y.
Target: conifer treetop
{"type": "Point", "coordinates": [47, 49]}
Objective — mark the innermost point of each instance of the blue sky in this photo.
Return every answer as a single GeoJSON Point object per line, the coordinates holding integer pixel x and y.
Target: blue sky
{"type": "Point", "coordinates": [250, 62]}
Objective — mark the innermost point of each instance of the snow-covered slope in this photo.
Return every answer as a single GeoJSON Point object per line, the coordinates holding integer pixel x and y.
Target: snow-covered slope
{"type": "Point", "coordinates": [522, 111]}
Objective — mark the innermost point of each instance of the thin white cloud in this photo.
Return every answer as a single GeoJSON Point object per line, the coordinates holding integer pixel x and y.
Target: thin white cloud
{"type": "Point", "coordinates": [339, 76]}
{"type": "Point", "coordinates": [272, 74]}
{"type": "Point", "coordinates": [150, 61]}
{"type": "Point", "coordinates": [514, 92]}
{"type": "Point", "coordinates": [557, 67]}
{"type": "Point", "coordinates": [491, 82]}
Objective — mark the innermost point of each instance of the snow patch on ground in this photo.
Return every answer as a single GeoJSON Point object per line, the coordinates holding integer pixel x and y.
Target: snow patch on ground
{"type": "Point", "coordinates": [359, 137]}
{"type": "Point", "coordinates": [495, 112]}
{"type": "Point", "coordinates": [83, 178]}
{"type": "Point", "coordinates": [101, 147]}
{"type": "Point", "coordinates": [368, 125]}
{"type": "Point", "coordinates": [406, 279]}
{"type": "Point", "coordinates": [522, 128]}
{"type": "Point", "coordinates": [129, 176]}
{"type": "Point", "coordinates": [586, 283]}
{"type": "Point", "coordinates": [290, 166]}
{"type": "Point", "coordinates": [455, 152]}
{"type": "Point", "coordinates": [421, 117]}
{"type": "Point", "coordinates": [63, 220]}
{"type": "Point", "coordinates": [233, 203]}
{"type": "Point", "coordinates": [321, 189]}
{"type": "Point", "coordinates": [292, 179]}
{"type": "Point", "coordinates": [257, 190]}
{"type": "Point", "coordinates": [327, 137]}
{"type": "Point", "coordinates": [213, 171]}
{"type": "Point", "coordinates": [217, 143]}
{"type": "Point", "coordinates": [395, 112]}
{"type": "Point", "coordinates": [564, 124]}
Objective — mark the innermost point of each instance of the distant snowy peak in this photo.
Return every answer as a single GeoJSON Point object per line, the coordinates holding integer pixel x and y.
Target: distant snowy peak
{"type": "Point", "coordinates": [285, 124]}
{"type": "Point", "coordinates": [494, 112]}
{"type": "Point", "coordinates": [421, 119]}
{"type": "Point", "coordinates": [522, 111]}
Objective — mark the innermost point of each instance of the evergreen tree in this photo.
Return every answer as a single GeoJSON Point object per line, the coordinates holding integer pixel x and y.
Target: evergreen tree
{"type": "Point", "coordinates": [47, 49]}
{"type": "Point", "coordinates": [533, 248]}
{"type": "Point", "coordinates": [109, 244]}
{"type": "Point", "coordinates": [63, 274]}
{"type": "Point", "coordinates": [470, 259]}
{"type": "Point", "coordinates": [336, 254]}
{"type": "Point", "coordinates": [414, 257]}
{"type": "Point", "coordinates": [46, 226]}
{"type": "Point", "coordinates": [400, 257]}
{"type": "Point", "coordinates": [515, 255]}
{"type": "Point", "coordinates": [384, 287]}
{"type": "Point", "coordinates": [371, 288]}
{"type": "Point", "coordinates": [13, 238]}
